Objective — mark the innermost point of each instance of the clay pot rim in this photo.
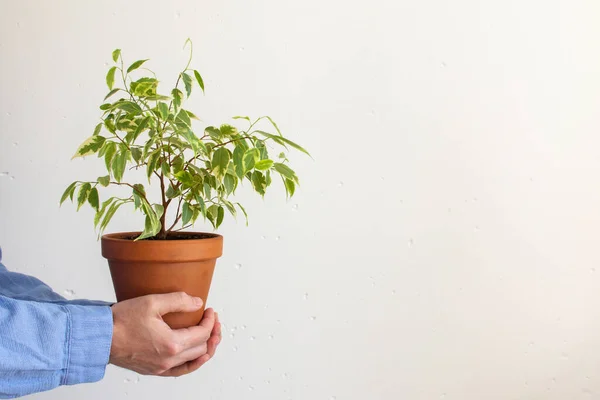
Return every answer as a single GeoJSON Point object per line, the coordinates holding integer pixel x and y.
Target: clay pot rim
{"type": "Point", "coordinates": [115, 247]}
{"type": "Point", "coordinates": [118, 237]}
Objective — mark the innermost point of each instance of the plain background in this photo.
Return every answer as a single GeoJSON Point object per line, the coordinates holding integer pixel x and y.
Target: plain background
{"type": "Point", "coordinates": [444, 243]}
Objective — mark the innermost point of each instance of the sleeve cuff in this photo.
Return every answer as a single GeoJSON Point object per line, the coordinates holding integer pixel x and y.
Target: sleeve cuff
{"type": "Point", "coordinates": [89, 339]}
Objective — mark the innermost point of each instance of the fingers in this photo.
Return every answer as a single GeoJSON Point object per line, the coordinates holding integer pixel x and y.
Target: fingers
{"type": "Point", "coordinates": [217, 328]}
{"type": "Point", "coordinates": [190, 354]}
{"type": "Point", "coordinates": [192, 337]}
{"type": "Point", "coordinates": [205, 352]}
{"type": "Point", "coordinates": [199, 334]}
{"type": "Point", "coordinates": [188, 367]}
{"type": "Point", "coordinates": [174, 302]}
{"type": "Point", "coordinates": [212, 344]}
{"type": "Point", "coordinates": [208, 320]}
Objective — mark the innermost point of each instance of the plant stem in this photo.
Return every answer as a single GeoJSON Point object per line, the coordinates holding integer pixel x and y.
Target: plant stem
{"type": "Point", "coordinates": [182, 228]}
{"type": "Point", "coordinates": [163, 233]}
{"type": "Point", "coordinates": [177, 215]}
{"type": "Point", "coordinates": [231, 141]}
{"type": "Point", "coordinates": [176, 221]}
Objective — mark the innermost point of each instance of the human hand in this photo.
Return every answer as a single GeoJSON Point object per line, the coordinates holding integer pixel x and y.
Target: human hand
{"type": "Point", "coordinates": [144, 343]}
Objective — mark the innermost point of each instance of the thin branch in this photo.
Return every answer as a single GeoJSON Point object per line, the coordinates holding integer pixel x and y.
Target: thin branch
{"type": "Point", "coordinates": [177, 214]}
{"type": "Point", "coordinates": [142, 194]}
{"type": "Point", "coordinates": [231, 141]}
{"type": "Point", "coordinates": [174, 223]}
{"type": "Point", "coordinates": [165, 206]}
{"type": "Point", "coordinates": [182, 228]}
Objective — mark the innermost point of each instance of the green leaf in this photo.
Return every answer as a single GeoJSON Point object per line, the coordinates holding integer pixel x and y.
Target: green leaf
{"type": "Point", "coordinates": [126, 123]}
{"type": "Point", "coordinates": [230, 183]}
{"type": "Point", "coordinates": [109, 214]}
{"type": "Point", "coordinates": [283, 141]}
{"type": "Point", "coordinates": [171, 192]}
{"type": "Point", "coordinates": [186, 214]}
{"type": "Point", "coordinates": [212, 213]}
{"type": "Point", "coordinates": [192, 115]}
{"type": "Point", "coordinates": [207, 190]}
{"type": "Point", "coordinates": [149, 229]}
{"type": "Point", "coordinates": [93, 199]}
{"type": "Point", "coordinates": [263, 165]}
{"type": "Point", "coordinates": [165, 169]}
{"type": "Point", "coordinates": [112, 92]}
{"type": "Point", "coordinates": [241, 117]}
{"type": "Point", "coordinates": [259, 182]}
{"type": "Point", "coordinates": [140, 128]}
{"type": "Point", "coordinates": [159, 210]}
{"type": "Point", "coordinates": [152, 225]}
{"type": "Point", "coordinates": [136, 65]}
{"type": "Point", "coordinates": [213, 132]}
{"type": "Point", "coordinates": [228, 130]}
{"type": "Point", "coordinates": [184, 118]}
{"type": "Point", "coordinates": [268, 177]}
{"type": "Point", "coordinates": [138, 195]}
{"type": "Point", "coordinates": [185, 178]}
{"type": "Point", "coordinates": [177, 95]}
{"type": "Point", "coordinates": [90, 146]}
{"type": "Point", "coordinates": [101, 211]}
{"type": "Point", "coordinates": [157, 97]}
{"type": "Point", "coordinates": [290, 187]}
{"type": "Point", "coordinates": [286, 171]}
{"type": "Point", "coordinates": [215, 215]}
{"type": "Point", "coordinates": [129, 107]}
{"type": "Point", "coordinates": [178, 163]}
{"type": "Point", "coordinates": [110, 77]}
{"type": "Point", "coordinates": [68, 192]}
{"type": "Point", "coordinates": [243, 211]}
{"type": "Point", "coordinates": [152, 163]}
{"type": "Point", "coordinates": [163, 108]}
{"type": "Point", "coordinates": [106, 106]}
{"type": "Point", "coordinates": [187, 81]}
{"type": "Point", "coordinates": [220, 161]}
{"type": "Point", "coordinates": [148, 145]}
{"type": "Point", "coordinates": [110, 150]}
{"type": "Point", "coordinates": [274, 125]}
{"type": "Point", "coordinates": [109, 123]}
{"type": "Point", "coordinates": [193, 140]}
{"type": "Point", "coordinates": [115, 54]}
{"type": "Point", "coordinates": [136, 154]}
{"type": "Point", "coordinates": [83, 194]}
{"type": "Point", "coordinates": [250, 158]}
{"type": "Point", "coordinates": [104, 180]}
{"type": "Point", "coordinates": [230, 207]}
{"type": "Point", "coordinates": [238, 161]}
{"type": "Point", "coordinates": [199, 79]}
{"type": "Point", "coordinates": [201, 203]}
{"type": "Point", "coordinates": [220, 216]}
{"type": "Point", "coordinates": [195, 213]}
{"type": "Point", "coordinates": [97, 129]}
{"type": "Point", "coordinates": [262, 149]}
{"type": "Point", "coordinates": [118, 164]}
{"type": "Point", "coordinates": [144, 87]}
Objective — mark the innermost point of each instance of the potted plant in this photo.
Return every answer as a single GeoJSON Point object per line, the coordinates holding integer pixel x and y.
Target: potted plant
{"type": "Point", "coordinates": [196, 174]}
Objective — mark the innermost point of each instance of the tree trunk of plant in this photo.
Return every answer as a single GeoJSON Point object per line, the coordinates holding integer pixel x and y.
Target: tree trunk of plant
{"type": "Point", "coordinates": [162, 235]}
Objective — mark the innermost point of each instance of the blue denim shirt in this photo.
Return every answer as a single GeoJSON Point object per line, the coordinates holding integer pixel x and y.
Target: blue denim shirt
{"type": "Point", "coordinates": [47, 341]}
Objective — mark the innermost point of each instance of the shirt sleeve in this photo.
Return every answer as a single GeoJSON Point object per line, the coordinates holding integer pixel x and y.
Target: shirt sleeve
{"type": "Point", "coordinates": [47, 341]}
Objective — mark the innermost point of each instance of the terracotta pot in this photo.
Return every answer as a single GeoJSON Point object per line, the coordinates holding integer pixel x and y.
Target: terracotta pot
{"type": "Point", "coordinates": [163, 266]}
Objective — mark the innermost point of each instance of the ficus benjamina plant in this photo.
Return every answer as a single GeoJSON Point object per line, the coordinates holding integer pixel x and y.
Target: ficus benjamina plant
{"type": "Point", "coordinates": [142, 128]}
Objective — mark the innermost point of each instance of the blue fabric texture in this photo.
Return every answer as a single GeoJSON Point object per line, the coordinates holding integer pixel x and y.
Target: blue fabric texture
{"type": "Point", "coordinates": [46, 340]}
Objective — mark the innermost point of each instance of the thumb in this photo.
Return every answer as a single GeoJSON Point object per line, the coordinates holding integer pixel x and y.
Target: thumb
{"type": "Point", "coordinates": [174, 302]}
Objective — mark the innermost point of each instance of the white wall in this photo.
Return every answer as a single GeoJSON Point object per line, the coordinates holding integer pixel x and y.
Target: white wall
{"type": "Point", "coordinates": [445, 240]}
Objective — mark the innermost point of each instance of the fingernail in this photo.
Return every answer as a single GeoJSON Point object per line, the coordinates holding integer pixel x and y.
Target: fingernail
{"type": "Point", "coordinates": [198, 301]}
